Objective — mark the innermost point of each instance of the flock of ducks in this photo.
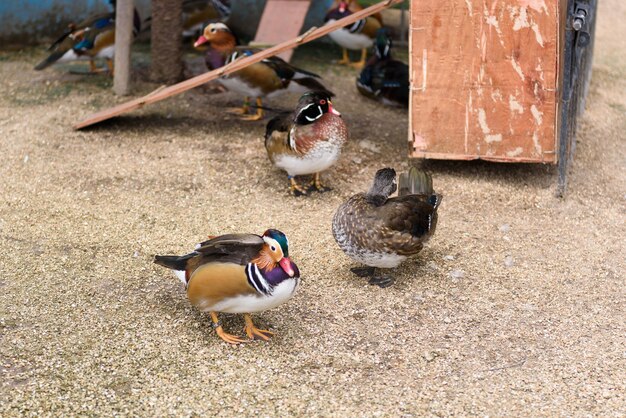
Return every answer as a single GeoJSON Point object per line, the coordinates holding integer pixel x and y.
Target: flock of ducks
{"type": "Point", "coordinates": [247, 273]}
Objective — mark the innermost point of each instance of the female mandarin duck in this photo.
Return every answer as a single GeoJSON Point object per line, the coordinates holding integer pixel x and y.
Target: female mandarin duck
{"type": "Point", "coordinates": [307, 141]}
{"type": "Point", "coordinates": [267, 78]}
{"type": "Point", "coordinates": [359, 35]}
{"type": "Point", "coordinates": [93, 38]}
{"type": "Point", "coordinates": [237, 273]}
{"type": "Point", "coordinates": [381, 232]}
{"type": "Point", "coordinates": [383, 78]}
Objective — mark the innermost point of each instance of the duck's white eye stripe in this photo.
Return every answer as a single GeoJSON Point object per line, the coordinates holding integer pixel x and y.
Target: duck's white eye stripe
{"type": "Point", "coordinates": [317, 116]}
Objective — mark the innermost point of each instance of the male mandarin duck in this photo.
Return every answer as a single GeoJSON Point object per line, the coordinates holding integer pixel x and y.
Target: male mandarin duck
{"type": "Point", "coordinates": [383, 78]}
{"type": "Point", "coordinates": [381, 232]}
{"type": "Point", "coordinates": [237, 273]}
{"type": "Point", "coordinates": [92, 38]}
{"type": "Point", "coordinates": [307, 141]}
{"type": "Point", "coordinates": [267, 78]}
{"type": "Point", "coordinates": [359, 35]}
{"type": "Point", "coordinates": [354, 6]}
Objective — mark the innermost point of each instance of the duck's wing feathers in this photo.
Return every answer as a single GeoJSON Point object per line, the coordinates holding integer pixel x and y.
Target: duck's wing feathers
{"type": "Point", "coordinates": [231, 248]}
{"type": "Point", "coordinates": [368, 26]}
{"type": "Point", "coordinates": [413, 216]}
{"type": "Point", "coordinates": [278, 135]}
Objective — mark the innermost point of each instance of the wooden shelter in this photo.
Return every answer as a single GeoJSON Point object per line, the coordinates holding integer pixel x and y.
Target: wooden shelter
{"type": "Point", "coordinates": [499, 80]}
{"type": "Point", "coordinates": [493, 80]}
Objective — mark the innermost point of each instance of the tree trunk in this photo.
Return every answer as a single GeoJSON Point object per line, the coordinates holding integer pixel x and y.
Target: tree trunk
{"type": "Point", "coordinates": [167, 41]}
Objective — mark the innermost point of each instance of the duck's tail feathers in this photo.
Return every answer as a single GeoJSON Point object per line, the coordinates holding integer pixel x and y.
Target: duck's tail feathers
{"type": "Point", "coordinates": [311, 84]}
{"type": "Point", "coordinates": [299, 73]}
{"type": "Point", "coordinates": [416, 181]}
{"type": "Point", "coordinates": [52, 58]}
{"type": "Point", "coordinates": [173, 262]}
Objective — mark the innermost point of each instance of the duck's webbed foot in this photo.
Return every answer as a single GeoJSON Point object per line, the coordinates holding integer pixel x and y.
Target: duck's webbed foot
{"type": "Point", "coordinates": [229, 338]}
{"type": "Point", "coordinates": [363, 271]}
{"type": "Point", "coordinates": [295, 188]}
{"type": "Point", "coordinates": [318, 185]}
{"type": "Point", "coordinates": [255, 333]}
{"type": "Point", "coordinates": [381, 280]}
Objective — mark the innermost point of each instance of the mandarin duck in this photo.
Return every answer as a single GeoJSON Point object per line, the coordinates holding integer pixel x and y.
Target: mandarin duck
{"type": "Point", "coordinates": [358, 36]}
{"type": "Point", "coordinates": [267, 78]}
{"type": "Point", "coordinates": [237, 273]}
{"type": "Point", "coordinates": [307, 141]}
{"type": "Point", "coordinates": [382, 232]}
{"type": "Point", "coordinates": [90, 39]}
{"type": "Point", "coordinates": [383, 78]}
{"type": "Point", "coordinates": [355, 6]}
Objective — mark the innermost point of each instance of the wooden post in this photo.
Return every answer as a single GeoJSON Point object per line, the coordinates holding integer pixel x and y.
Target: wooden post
{"type": "Point", "coordinates": [123, 39]}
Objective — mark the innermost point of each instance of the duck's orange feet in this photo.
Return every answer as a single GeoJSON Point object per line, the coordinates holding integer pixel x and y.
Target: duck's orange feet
{"type": "Point", "coordinates": [243, 110]}
{"type": "Point", "coordinates": [259, 112]}
{"type": "Point", "coordinates": [295, 188]}
{"type": "Point", "coordinates": [345, 60]}
{"type": "Point", "coordinates": [254, 333]}
{"type": "Point", "coordinates": [318, 185]}
{"type": "Point", "coordinates": [229, 338]}
{"type": "Point", "coordinates": [361, 63]}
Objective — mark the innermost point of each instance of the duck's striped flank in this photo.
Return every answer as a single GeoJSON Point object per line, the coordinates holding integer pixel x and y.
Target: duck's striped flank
{"type": "Point", "coordinates": [256, 279]}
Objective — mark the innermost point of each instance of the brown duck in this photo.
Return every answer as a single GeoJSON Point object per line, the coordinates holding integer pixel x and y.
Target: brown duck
{"type": "Point", "coordinates": [268, 78]}
{"type": "Point", "coordinates": [382, 232]}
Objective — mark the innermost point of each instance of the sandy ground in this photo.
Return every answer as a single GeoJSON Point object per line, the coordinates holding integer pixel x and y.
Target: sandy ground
{"type": "Point", "coordinates": [515, 308]}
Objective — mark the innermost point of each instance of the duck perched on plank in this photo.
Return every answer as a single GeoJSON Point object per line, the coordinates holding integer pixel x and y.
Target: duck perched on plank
{"type": "Point", "coordinates": [237, 273]}
{"type": "Point", "coordinates": [358, 36]}
{"type": "Point", "coordinates": [307, 141]}
{"type": "Point", "coordinates": [382, 232]}
{"type": "Point", "coordinates": [268, 78]}
{"type": "Point", "coordinates": [384, 78]}
{"type": "Point", "coordinates": [88, 40]}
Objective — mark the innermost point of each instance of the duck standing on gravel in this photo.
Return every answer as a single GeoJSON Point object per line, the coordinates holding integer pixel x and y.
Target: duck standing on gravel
{"type": "Point", "coordinates": [237, 273]}
{"type": "Point", "coordinates": [381, 232]}
{"type": "Point", "coordinates": [306, 141]}
{"type": "Point", "coordinates": [358, 36]}
{"type": "Point", "coordinates": [92, 38]}
{"type": "Point", "coordinates": [383, 78]}
{"type": "Point", "coordinates": [267, 78]}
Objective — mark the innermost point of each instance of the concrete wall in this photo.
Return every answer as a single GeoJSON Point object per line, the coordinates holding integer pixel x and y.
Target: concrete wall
{"type": "Point", "coordinates": [26, 22]}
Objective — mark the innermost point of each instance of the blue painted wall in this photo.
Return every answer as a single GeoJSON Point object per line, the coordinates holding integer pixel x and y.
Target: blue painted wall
{"type": "Point", "coordinates": [25, 22]}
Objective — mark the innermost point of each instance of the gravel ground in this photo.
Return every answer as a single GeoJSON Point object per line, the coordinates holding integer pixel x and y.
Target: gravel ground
{"type": "Point", "coordinates": [515, 308]}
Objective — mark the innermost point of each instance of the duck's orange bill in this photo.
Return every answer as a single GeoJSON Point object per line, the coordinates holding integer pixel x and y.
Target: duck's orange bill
{"type": "Point", "coordinates": [201, 40]}
{"type": "Point", "coordinates": [285, 264]}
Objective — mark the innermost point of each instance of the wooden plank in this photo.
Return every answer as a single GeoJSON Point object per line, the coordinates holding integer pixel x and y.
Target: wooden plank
{"type": "Point", "coordinates": [274, 17]}
{"type": "Point", "coordinates": [484, 79]}
{"type": "Point", "coordinates": [163, 93]}
{"type": "Point", "coordinates": [124, 13]}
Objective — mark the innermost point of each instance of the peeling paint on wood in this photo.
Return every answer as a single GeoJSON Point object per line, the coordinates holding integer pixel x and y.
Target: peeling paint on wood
{"type": "Point", "coordinates": [494, 63]}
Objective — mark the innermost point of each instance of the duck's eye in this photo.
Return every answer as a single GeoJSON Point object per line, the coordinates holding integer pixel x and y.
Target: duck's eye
{"type": "Point", "coordinates": [273, 248]}
{"type": "Point", "coordinates": [212, 30]}
{"type": "Point", "coordinates": [322, 102]}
